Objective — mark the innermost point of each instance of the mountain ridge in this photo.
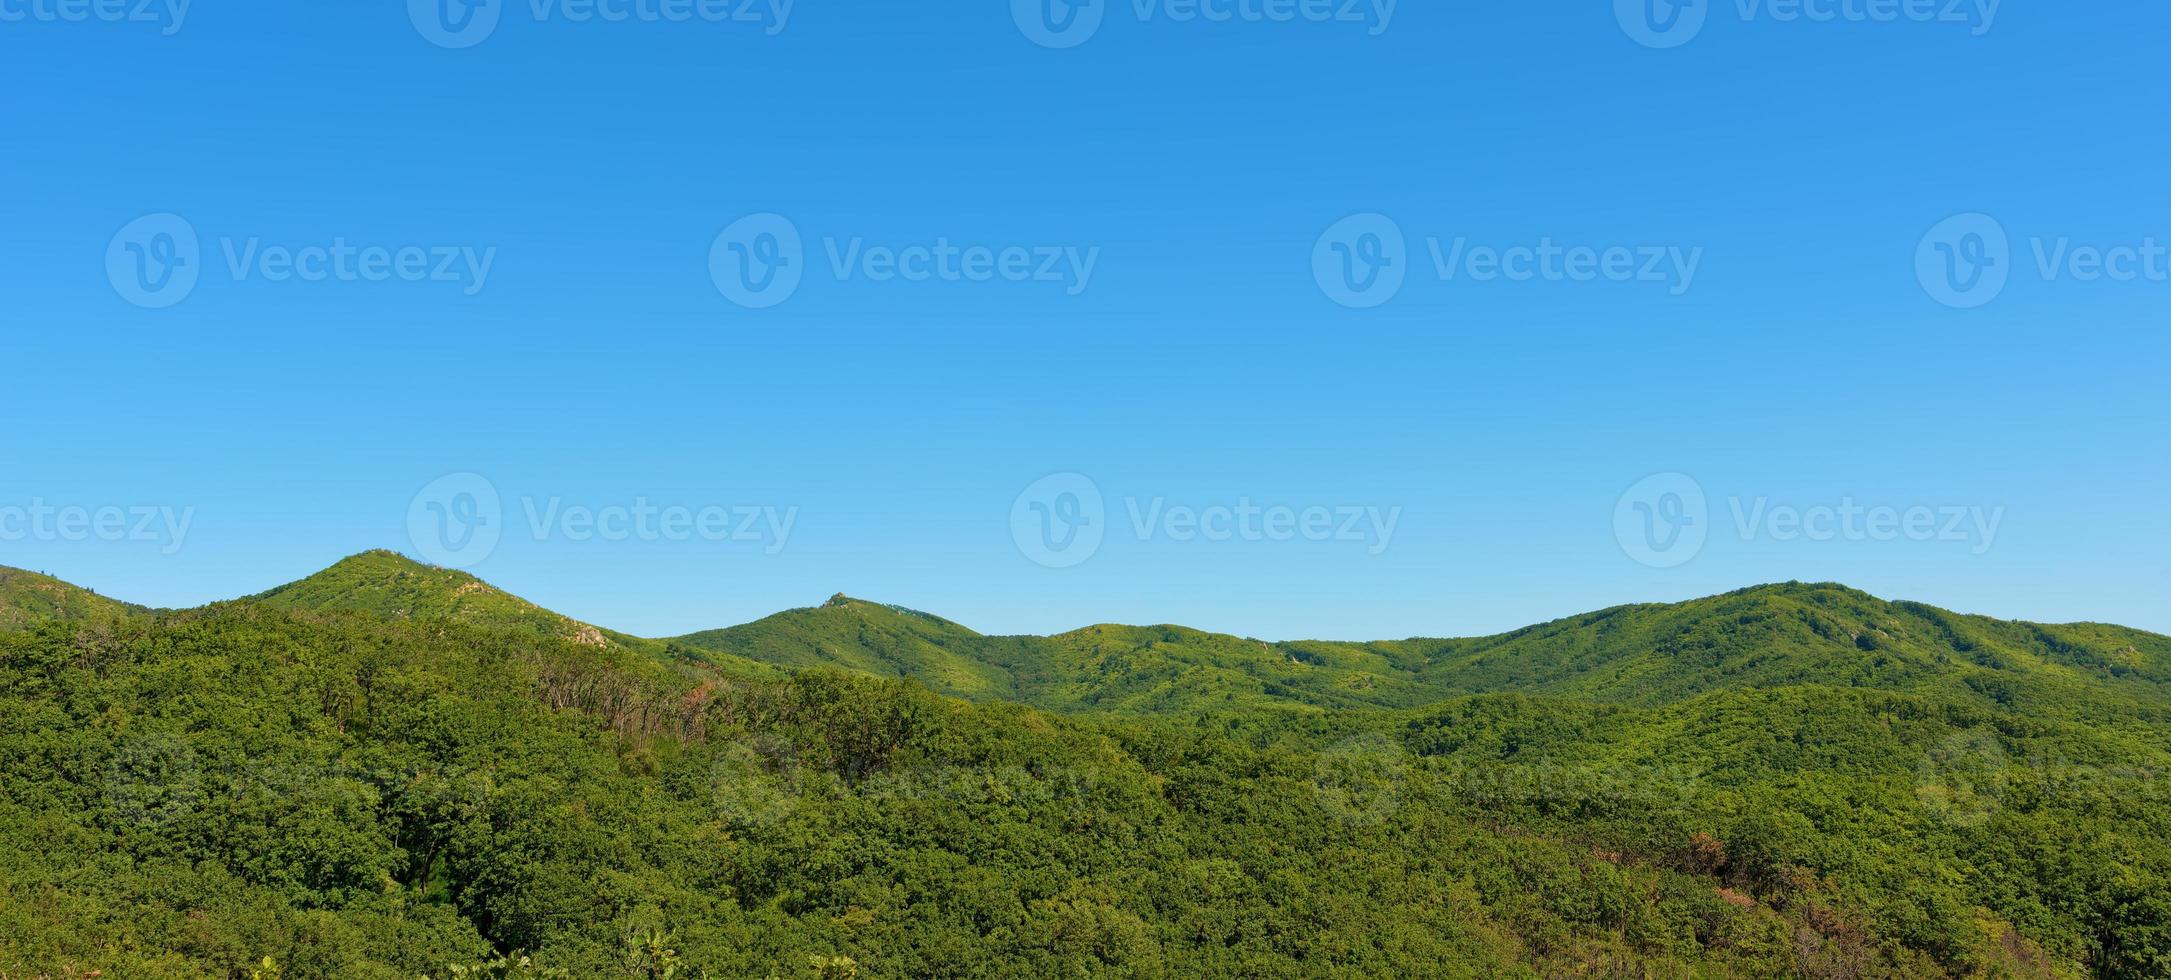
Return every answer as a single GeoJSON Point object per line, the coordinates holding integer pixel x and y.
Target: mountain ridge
{"type": "Point", "coordinates": [1792, 779]}
{"type": "Point", "coordinates": [1761, 637]}
{"type": "Point", "coordinates": [841, 599]}
{"type": "Point", "coordinates": [1764, 636]}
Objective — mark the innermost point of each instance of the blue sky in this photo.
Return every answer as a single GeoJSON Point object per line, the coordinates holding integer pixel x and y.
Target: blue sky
{"type": "Point", "coordinates": [524, 259]}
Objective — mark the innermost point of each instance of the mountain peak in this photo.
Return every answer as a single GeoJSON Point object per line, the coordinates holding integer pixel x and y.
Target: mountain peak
{"type": "Point", "coordinates": [389, 560]}
{"type": "Point", "coordinates": [841, 605]}
{"type": "Point", "coordinates": [1800, 588]}
{"type": "Point", "coordinates": [868, 637]}
{"type": "Point", "coordinates": [1764, 637]}
{"type": "Point", "coordinates": [388, 584]}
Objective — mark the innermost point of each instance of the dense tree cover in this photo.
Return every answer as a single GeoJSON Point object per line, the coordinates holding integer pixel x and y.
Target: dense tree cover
{"type": "Point", "coordinates": [1765, 637]}
{"type": "Point", "coordinates": [388, 585]}
{"type": "Point", "coordinates": [359, 790]}
{"type": "Point", "coordinates": [27, 597]}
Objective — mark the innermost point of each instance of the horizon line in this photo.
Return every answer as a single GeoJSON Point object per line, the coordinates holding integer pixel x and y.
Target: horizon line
{"type": "Point", "coordinates": [410, 559]}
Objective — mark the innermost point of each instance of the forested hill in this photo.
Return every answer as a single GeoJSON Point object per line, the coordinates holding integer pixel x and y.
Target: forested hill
{"type": "Point", "coordinates": [390, 771]}
{"type": "Point", "coordinates": [887, 641]}
{"type": "Point", "coordinates": [1765, 637]}
{"type": "Point", "coordinates": [28, 596]}
{"type": "Point", "coordinates": [386, 584]}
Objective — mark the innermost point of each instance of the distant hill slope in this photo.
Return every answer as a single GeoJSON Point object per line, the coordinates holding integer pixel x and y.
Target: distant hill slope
{"type": "Point", "coordinates": [1760, 638]}
{"type": "Point", "coordinates": [1128, 669]}
{"type": "Point", "coordinates": [871, 638]}
{"type": "Point", "coordinates": [386, 584]}
{"type": "Point", "coordinates": [1767, 637]}
{"type": "Point", "coordinates": [27, 597]}
{"type": "Point", "coordinates": [389, 585]}
{"type": "Point", "coordinates": [1783, 635]}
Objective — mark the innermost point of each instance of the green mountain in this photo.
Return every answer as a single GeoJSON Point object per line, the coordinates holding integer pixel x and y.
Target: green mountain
{"type": "Point", "coordinates": [393, 771]}
{"type": "Point", "coordinates": [886, 641]}
{"type": "Point", "coordinates": [1100, 668]}
{"type": "Point", "coordinates": [26, 597]}
{"type": "Point", "coordinates": [1760, 638]}
{"type": "Point", "coordinates": [1780, 635]}
{"type": "Point", "coordinates": [390, 585]}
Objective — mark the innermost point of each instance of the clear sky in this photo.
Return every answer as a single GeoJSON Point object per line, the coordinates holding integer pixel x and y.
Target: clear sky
{"type": "Point", "coordinates": [1037, 316]}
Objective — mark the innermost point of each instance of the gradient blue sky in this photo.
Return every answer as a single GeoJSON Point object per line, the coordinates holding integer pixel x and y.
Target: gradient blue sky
{"type": "Point", "coordinates": [1203, 364]}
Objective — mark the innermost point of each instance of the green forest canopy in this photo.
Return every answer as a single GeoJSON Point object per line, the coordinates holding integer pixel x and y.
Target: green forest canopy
{"type": "Point", "coordinates": [389, 770]}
